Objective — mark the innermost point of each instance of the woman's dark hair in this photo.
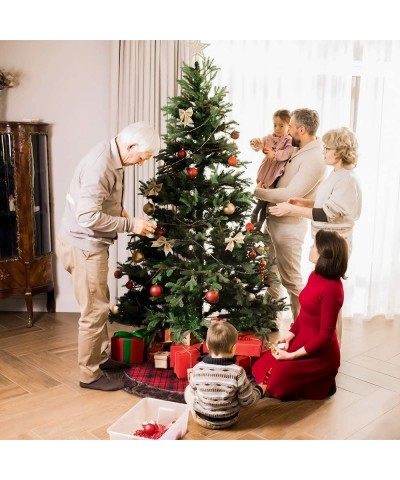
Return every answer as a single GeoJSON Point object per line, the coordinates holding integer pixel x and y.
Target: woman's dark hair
{"type": "Point", "coordinates": [333, 255]}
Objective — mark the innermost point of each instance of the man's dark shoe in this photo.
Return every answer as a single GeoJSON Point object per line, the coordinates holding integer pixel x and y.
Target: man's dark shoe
{"type": "Point", "coordinates": [111, 364]}
{"type": "Point", "coordinates": [104, 383]}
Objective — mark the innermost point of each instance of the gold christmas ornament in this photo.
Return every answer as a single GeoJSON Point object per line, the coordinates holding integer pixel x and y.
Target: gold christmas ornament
{"type": "Point", "coordinates": [148, 208]}
{"type": "Point", "coordinates": [260, 249]}
{"type": "Point", "coordinates": [235, 134]}
{"type": "Point", "coordinates": [115, 309]}
{"type": "Point", "coordinates": [137, 256]}
{"type": "Point", "coordinates": [229, 208]}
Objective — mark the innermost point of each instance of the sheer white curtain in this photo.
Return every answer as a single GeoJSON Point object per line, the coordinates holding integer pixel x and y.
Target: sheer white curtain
{"type": "Point", "coordinates": [350, 83]}
{"type": "Point", "coordinates": [144, 75]}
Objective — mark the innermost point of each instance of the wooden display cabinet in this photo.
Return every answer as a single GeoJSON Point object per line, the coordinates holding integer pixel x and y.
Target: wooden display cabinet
{"type": "Point", "coordinates": [25, 224]}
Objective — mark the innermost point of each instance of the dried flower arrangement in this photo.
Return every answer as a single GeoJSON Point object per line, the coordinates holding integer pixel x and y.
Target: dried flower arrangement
{"type": "Point", "coordinates": [7, 79]}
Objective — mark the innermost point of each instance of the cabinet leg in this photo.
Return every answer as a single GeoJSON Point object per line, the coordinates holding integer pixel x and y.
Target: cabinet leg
{"type": "Point", "coordinates": [51, 304]}
{"type": "Point", "coordinates": [29, 307]}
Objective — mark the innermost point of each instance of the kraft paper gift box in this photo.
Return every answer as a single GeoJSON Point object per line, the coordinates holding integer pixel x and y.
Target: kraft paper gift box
{"type": "Point", "coordinates": [185, 359]}
{"type": "Point", "coordinates": [178, 347]}
{"type": "Point", "coordinates": [129, 347]}
{"type": "Point", "coordinates": [161, 359]}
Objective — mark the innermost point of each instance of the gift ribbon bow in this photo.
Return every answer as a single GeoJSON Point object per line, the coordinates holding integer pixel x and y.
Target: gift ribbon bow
{"type": "Point", "coordinates": [136, 334]}
{"type": "Point", "coordinates": [166, 244]}
{"type": "Point", "coordinates": [238, 238]}
{"type": "Point", "coordinates": [185, 117]}
{"type": "Point", "coordinates": [153, 188]}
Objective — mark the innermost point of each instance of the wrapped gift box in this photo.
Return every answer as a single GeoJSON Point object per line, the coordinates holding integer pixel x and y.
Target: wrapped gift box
{"type": "Point", "coordinates": [186, 358]}
{"type": "Point", "coordinates": [245, 362]}
{"type": "Point", "coordinates": [163, 335]}
{"type": "Point", "coordinates": [129, 347]}
{"type": "Point", "coordinates": [248, 345]}
{"type": "Point", "coordinates": [178, 347]}
{"type": "Point", "coordinates": [155, 348]}
{"type": "Point", "coordinates": [161, 359]}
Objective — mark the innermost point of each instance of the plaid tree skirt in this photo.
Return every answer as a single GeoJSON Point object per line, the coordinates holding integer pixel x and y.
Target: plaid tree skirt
{"type": "Point", "coordinates": [147, 381]}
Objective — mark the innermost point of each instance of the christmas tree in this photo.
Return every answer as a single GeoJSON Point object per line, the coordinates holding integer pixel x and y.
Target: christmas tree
{"type": "Point", "coordinates": [205, 260]}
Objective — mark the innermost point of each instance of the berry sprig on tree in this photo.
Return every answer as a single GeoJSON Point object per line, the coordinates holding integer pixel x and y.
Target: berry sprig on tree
{"type": "Point", "coordinates": [205, 260]}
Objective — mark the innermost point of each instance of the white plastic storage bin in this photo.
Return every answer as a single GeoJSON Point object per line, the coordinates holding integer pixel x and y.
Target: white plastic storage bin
{"type": "Point", "coordinates": [148, 409]}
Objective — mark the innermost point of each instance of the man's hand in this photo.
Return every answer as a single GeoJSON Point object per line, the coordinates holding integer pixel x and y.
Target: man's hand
{"type": "Point", "coordinates": [141, 226]}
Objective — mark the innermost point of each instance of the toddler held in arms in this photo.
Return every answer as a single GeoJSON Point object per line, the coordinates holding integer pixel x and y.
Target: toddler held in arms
{"type": "Point", "coordinates": [217, 386]}
{"type": "Point", "coordinates": [277, 148]}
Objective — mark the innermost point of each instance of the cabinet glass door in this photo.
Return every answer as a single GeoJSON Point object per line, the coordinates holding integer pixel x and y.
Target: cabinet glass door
{"type": "Point", "coordinates": [8, 221]}
{"type": "Point", "coordinates": [41, 204]}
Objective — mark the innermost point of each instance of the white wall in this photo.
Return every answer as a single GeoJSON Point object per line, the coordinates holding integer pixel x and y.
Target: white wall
{"type": "Point", "coordinates": [65, 84]}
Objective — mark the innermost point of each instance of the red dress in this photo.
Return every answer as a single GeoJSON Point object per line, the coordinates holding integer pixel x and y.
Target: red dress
{"type": "Point", "coordinates": [311, 376]}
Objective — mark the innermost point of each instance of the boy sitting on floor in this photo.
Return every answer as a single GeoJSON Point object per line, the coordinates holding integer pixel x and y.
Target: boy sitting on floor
{"type": "Point", "coordinates": [217, 386]}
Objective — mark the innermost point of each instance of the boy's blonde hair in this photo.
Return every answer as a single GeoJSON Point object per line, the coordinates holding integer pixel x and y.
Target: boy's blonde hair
{"type": "Point", "coordinates": [221, 337]}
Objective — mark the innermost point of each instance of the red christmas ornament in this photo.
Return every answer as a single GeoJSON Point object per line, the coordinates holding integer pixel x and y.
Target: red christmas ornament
{"type": "Point", "coordinates": [149, 428]}
{"type": "Point", "coordinates": [212, 296]}
{"type": "Point", "coordinates": [129, 285]}
{"type": "Point", "coordinates": [181, 153]}
{"type": "Point", "coordinates": [156, 290]}
{"type": "Point", "coordinates": [192, 171]}
{"type": "Point", "coordinates": [159, 232]}
{"type": "Point", "coordinates": [263, 264]}
{"type": "Point", "coordinates": [118, 274]}
{"type": "Point", "coordinates": [249, 227]}
{"type": "Point", "coordinates": [252, 254]}
{"type": "Point", "coordinates": [232, 161]}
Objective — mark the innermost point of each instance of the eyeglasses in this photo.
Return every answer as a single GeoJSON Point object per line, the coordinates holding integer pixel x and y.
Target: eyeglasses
{"type": "Point", "coordinates": [326, 149]}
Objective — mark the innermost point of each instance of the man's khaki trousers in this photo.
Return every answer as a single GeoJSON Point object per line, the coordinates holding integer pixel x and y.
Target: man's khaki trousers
{"type": "Point", "coordinates": [89, 279]}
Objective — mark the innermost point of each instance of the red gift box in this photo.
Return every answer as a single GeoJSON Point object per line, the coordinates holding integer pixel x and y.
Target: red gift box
{"type": "Point", "coordinates": [184, 359]}
{"type": "Point", "coordinates": [244, 361]}
{"type": "Point", "coordinates": [126, 347]}
{"type": "Point", "coordinates": [178, 347]}
{"type": "Point", "coordinates": [248, 345]}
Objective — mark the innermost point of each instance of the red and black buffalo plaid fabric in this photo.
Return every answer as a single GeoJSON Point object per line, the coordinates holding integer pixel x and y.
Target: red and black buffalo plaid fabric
{"type": "Point", "coordinates": [163, 378]}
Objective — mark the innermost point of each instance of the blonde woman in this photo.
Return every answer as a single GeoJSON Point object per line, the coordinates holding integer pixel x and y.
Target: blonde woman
{"type": "Point", "coordinates": [338, 199]}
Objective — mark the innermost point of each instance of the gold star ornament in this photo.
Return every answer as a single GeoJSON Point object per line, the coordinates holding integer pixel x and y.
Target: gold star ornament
{"type": "Point", "coordinates": [196, 48]}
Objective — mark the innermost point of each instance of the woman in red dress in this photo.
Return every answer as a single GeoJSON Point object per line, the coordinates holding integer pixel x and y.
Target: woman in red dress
{"type": "Point", "coordinates": [306, 365]}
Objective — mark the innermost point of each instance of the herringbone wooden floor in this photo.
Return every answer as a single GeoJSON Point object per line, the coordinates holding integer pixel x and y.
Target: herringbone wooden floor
{"type": "Point", "coordinates": [40, 397]}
